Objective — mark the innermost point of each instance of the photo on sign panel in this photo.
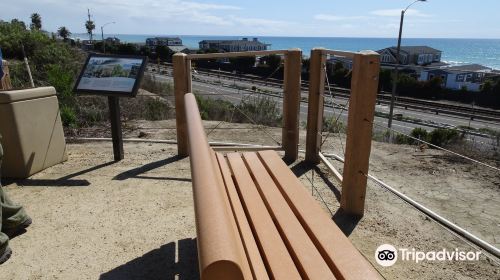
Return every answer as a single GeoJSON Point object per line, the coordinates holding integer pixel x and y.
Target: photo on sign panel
{"type": "Point", "coordinates": [111, 75]}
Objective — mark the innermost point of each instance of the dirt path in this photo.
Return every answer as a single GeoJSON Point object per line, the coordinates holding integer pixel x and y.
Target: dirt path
{"type": "Point", "coordinates": [134, 219]}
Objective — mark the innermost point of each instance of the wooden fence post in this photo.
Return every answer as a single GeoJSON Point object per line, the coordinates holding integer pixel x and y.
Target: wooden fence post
{"type": "Point", "coordinates": [291, 103]}
{"type": "Point", "coordinates": [364, 84]}
{"type": "Point", "coordinates": [182, 85]}
{"type": "Point", "coordinates": [315, 104]}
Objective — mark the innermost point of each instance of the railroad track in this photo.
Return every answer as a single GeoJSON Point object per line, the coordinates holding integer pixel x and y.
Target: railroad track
{"type": "Point", "coordinates": [382, 97]}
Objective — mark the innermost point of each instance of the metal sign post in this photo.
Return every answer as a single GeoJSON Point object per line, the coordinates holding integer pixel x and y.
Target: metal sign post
{"type": "Point", "coordinates": [116, 127]}
{"type": "Point", "coordinates": [113, 76]}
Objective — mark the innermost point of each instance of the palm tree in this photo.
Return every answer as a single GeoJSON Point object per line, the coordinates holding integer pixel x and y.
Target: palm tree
{"type": "Point", "coordinates": [89, 25]}
{"type": "Point", "coordinates": [63, 32]}
{"type": "Point", "coordinates": [36, 21]}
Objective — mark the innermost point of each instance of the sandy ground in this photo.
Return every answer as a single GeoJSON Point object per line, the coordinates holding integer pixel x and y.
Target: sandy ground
{"type": "Point", "coordinates": [95, 219]}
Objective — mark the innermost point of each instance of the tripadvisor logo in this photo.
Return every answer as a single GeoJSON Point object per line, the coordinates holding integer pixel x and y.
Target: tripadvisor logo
{"type": "Point", "coordinates": [387, 255]}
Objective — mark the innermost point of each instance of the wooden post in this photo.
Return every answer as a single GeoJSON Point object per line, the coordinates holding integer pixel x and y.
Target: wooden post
{"type": "Point", "coordinates": [315, 106]}
{"type": "Point", "coordinates": [364, 86]}
{"type": "Point", "coordinates": [291, 104]}
{"type": "Point", "coordinates": [116, 127]}
{"type": "Point", "coordinates": [182, 85]}
{"type": "Point", "coordinates": [5, 83]}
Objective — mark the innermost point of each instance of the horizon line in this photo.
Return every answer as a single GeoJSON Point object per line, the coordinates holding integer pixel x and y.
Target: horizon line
{"type": "Point", "coordinates": [295, 36]}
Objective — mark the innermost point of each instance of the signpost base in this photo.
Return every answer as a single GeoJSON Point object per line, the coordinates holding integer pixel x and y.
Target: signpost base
{"type": "Point", "coordinates": [116, 127]}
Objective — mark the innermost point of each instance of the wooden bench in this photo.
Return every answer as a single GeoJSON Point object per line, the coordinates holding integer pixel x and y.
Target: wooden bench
{"type": "Point", "coordinates": [255, 220]}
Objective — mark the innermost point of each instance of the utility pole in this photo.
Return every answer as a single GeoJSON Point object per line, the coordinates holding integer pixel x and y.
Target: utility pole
{"type": "Point", "coordinates": [396, 71]}
{"type": "Point", "coordinates": [88, 12]}
{"type": "Point", "coordinates": [396, 68]}
{"type": "Point", "coordinates": [102, 36]}
{"type": "Point", "coordinates": [102, 40]}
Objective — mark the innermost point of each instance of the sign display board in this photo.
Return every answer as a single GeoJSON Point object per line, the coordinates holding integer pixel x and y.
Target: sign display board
{"type": "Point", "coordinates": [111, 75]}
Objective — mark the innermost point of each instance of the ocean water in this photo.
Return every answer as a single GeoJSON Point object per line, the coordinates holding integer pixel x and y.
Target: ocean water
{"type": "Point", "coordinates": [455, 51]}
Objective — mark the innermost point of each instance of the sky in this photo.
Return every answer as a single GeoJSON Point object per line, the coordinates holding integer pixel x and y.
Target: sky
{"type": "Point", "coordinates": [312, 18]}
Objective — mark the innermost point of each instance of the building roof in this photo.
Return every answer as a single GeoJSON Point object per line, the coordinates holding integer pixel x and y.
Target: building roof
{"type": "Point", "coordinates": [470, 67]}
{"type": "Point", "coordinates": [164, 38]}
{"type": "Point", "coordinates": [177, 48]}
{"type": "Point", "coordinates": [233, 42]}
{"type": "Point", "coordinates": [461, 69]}
{"type": "Point", "coordinates": [413, 49]}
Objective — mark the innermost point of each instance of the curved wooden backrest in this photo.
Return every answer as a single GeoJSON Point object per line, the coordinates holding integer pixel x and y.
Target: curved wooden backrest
{"type": "Point", "coordinates": [219, 249]}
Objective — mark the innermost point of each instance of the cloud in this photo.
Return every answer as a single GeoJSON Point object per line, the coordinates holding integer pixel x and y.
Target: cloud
{"type": "Point", "coordinates": [161, 11]}
{"type": "Point", "coordinates": [258, 22]}
{"type": "Point", "coordinates": [397, 13]}
{"type": "Point", "coordinates": [325, 17]}
{"type": "Point", "coordinates": [203, 6]}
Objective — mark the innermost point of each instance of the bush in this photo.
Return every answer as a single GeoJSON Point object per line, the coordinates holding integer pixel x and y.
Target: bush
{"type": "Point", "coordinates": [442, 137]}
{"type": "Point", "coordinates": [156, 109]}
{"type": "Point", "coordinates": [420, 133]}
{"type": "Point", "coordinates": [151, 84]}
{"type": "Point", "coordinates": [214, 109]}
{"type": "Point", "coordinates": [68, 116]}
{"type": "Point", "coordinates": [402, 139]}
{"type": "Point", "coordinates": [52, 63]}
{"type": "Point", "coordinates": [333, 125]}
{"type": "Point", "coordinates": [261, 110]}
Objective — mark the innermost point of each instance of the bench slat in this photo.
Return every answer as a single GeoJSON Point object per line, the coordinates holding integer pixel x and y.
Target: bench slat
{"type": "Point", "coordinates": [245, 266]}
{"type": "Point", "coordinates": [308, 259]}
{"type": "Point", "coordinates": [251, 249]}
{"type": "Point", "coordinates": [279, 262]}
{"type": "Point", "coordinates": [342, 257]}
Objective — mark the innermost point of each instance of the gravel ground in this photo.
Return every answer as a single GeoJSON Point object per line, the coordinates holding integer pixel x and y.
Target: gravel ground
{"type": "Point", "coordinates": [95, 219]}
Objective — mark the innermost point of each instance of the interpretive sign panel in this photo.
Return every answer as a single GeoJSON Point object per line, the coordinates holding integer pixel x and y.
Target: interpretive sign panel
{"type": "Point", "coordinates": [111, 75]}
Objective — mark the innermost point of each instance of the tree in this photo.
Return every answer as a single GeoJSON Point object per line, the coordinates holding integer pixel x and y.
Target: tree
{"type": "Point", "coordinates": [496, 88]}
{"type": "Point", "coordinates": [90, 26]}
{"type": "Point", "coordinates": [19, 23]}
{"type": "Point", "coordinates": [487, 86]}
{"type": "Point", "coordinates": [63, 32]}
{"type": "Point", "coordinates": [273, 61]}
{"type": "Point", "coordinates": [385, 80]}
{"type": "Point", "coordinates": [163, 53]}
{"type": "Point", "coordinates": [128, 49]}
{"type": "Point", "coordinates": [243, 63]}
{"type": "Point", "coordinates": [36, 21]}
{"type": "Point", "coordinates": [144, 50]}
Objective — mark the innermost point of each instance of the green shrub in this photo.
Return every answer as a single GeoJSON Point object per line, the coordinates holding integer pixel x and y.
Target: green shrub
{"type": "Point", "coordinates": [156, 109]}
{"type": "Point", "coordinates": [151, 84]}
{"type": "Point", "coordinates": [18, 75]}
{"type": "Point", "coordinates": [261, 110]}
{"type": "Point", "coordinates": [91, 110]}
{"type": "Point", "coordinates": [443, 137]}
{"type": "Point", "coordinates": [333, 125]}
{"type": "Point", "coordinates": [214, 109]}
{"type": "Point", "coordinates": [381, 135]}
{"type": "Point", "coordinates": [52, 63]}
{"type": "Point", "coordinates": [402, 139]}
{"type": "Point", "coordinates": [88, 116]}
{"type": "Point", "coordinates": [420, 133]}
{"type": "Point", "coordinates": [68, 116]}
